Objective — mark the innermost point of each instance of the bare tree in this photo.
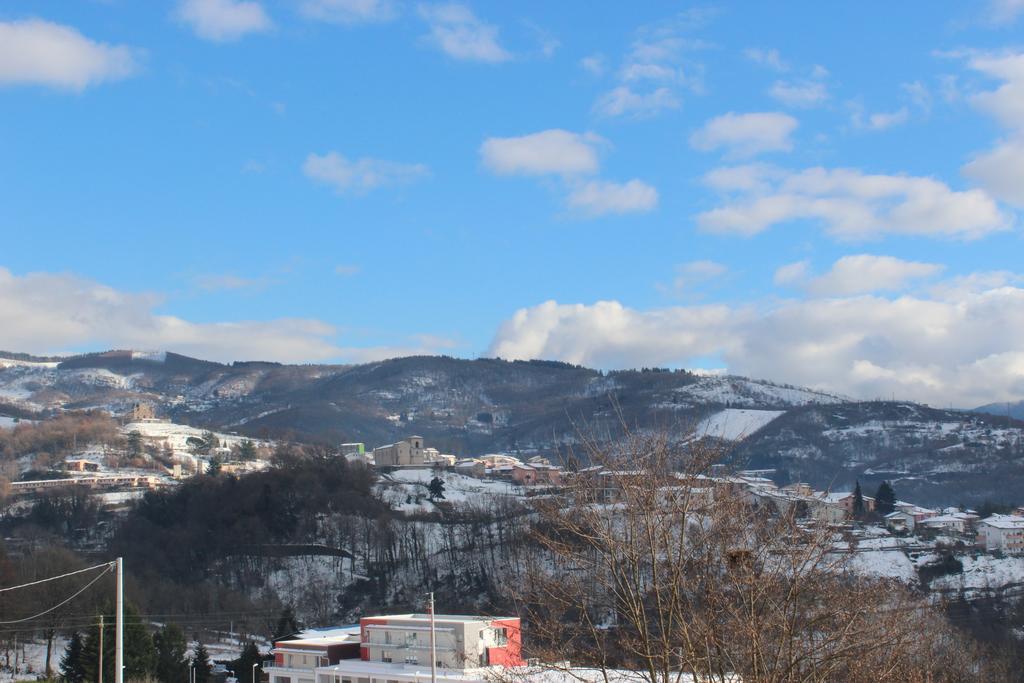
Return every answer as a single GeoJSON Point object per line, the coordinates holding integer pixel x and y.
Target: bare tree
{"type": "Point", "coordinates": [652, 565]}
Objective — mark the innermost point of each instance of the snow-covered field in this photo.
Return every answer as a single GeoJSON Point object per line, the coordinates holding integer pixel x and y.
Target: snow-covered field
{"type": "Point", "coordinates": [984, 572]}
{"type": "Point", "coordinates": [405, 490]}
{"type": "Point", "coordinates": [734, 424]}
{"type": "Point", "coordinates": [747, 392]}
{"type": "Point", "coordinates": [177, 435]}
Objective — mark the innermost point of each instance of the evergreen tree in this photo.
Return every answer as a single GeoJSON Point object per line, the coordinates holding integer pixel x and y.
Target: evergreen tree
{"type": "Point", "coordinates": [243, 665]}
{"type": "Point", "coordinates": [171, 665]}
{"type": "Point", "coordinates": [138, 648]}
{"type": "Point", "coordinates": [858, 502]}
{"type": "Point", "coordinates": [436, 488]}
{"type": "Point", "coordinates": [211, 441]}
{"type": "Point", "coordinates": [213, 469]}
{"type": "Point", "coordinates": [885, 499]}
{"type": "Point", "coordinates": [201, 664]}
{"type": "Point", "coordinates": [135, 443]}
{"type": "Point", "coordinates": [247, 450]}
{"type": "Point", "coordinates": [72, 669]}
{"type": "Point", "coordinates": [286, 624]}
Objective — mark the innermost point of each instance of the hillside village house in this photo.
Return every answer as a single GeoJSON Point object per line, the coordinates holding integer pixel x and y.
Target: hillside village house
{"type": "Point", "coordinates": [844, 499]}
{"type": "Point", "coordinates": [396, 649]}
{"type": "Point", "coordinates": [907, 516]}
{"type": "Point", "coordinates": [1002, 532]}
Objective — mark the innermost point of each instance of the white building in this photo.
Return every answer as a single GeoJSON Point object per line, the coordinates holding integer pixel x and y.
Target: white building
{"type": "Point", "coordinates": [1002, 532]}
{"type": "Point", "coordinates": [396, 649]}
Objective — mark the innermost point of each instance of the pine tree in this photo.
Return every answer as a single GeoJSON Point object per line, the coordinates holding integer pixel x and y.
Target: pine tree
{"type": "Point", "coordinates": [171, 665]}
{"type": "Point", "coordinates": [138, 648]}
{"type": "Point", "coordinates": [286, 624]}
{"type": "Point", "coordinates": [213, 469]}
{"type": "Point", "coordinates": [436, 488]}
{"type": "Point", "coordinates": [243, 665]}
{"type": "Point", "coordinates": [201, 664]}
{"type": "Point", "coordinates": [247, 450]}
{"type": "Point", "coordinates": [885, 499]}
{"type": "Point", "coordinates": [858, 502]}
{"type": "Point", "coordinates": [72, 669]}
{"type": "Point", "coordinates": [135, 443]}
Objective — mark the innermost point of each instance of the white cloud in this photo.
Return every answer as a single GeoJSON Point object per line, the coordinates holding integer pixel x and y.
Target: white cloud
{"type": "Point", "coordinates": [1001, 169]}
{"type": "Point", "coordinates": [792, 274]}
{"type": "Point", "coordinates": [1005, 11]}
{"type": "Point", "coordinates": [457, 32]}
{"type": "Point", "coordinates": [361, 175]}
{"type": "Point", "coordinates": [608, 334]}
{"type": "Point", "coordinates": [769, 58]}
{"type": "Point", "coordinates": [594, 64]}
{"type": "Point", "coordinates": [43, 53]}
{"type": "Point", "coordinates": [885, 120]}
{"type": "Point", "coordinates": [347, 269]}
{"type": "Point", "coordinates": [865, 273]}
{"type": "Point", "coordinates": [602, 197]}
{"type": "Point", "coordinates": [224, 20]}
{"type": "Point", "coordinates": [623, 100]}
{"type": "Point", "coordinates": [227, 281]}
{"type": "Point", "coordinates": [919, 95]}
{"type": "Point", "coordinates": [691, 275]}
{"type": "Point", "coordinates": [746, 135]}
{"type": "Point", "coordinates": [803, 94]}
{"type": "Point", "coordinates": [649, 72]}
{"type": "Point", "coordinates": [570, 155]}
{"type": "Point", "coordinates": [349, 11]}
{"type": "Point", "coordinates": [963, 347]}
{"type": "Point", "coordinates": [546, 152]}
{"type": "Point", "coordinates": [851, 205]}
{"type": "Point", "coordinates": [52, 313]}
{"type": "Point", "coordinates": [656, 67]}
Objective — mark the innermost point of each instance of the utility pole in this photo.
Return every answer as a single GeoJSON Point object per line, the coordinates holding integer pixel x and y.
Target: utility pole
{"type": "Point", "coordinates": [119, 638]}
{"type": "Point", "coordinates": [433, 644]}
{"type": "Point", "coordinates": [101, 649]}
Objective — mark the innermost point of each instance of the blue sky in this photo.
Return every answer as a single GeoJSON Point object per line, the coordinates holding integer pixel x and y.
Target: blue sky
{"type": "Point", "coordinates": [818, 193]}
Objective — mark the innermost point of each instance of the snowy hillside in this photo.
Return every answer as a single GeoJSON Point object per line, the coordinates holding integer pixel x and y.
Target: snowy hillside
{"type": "Point", "coordinates": [734, 424]}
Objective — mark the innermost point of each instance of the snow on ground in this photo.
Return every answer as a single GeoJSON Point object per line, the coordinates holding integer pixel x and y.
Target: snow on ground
{"type": "Point", "coordinates": [406, 489]}
{"type": "Point", "coordinates": [153, 356]}
{"type": "Point", "coordinates": [177, 435]}
{"type": "Point", "coordinates": [893, 564]}
{"type": "Point", "coordinates": [735, 424]}
{"type": "Point", "coordinates": [982, 572]}
{"type": "Point", "coordinates": [10, 422]}
{"type": "Point", "coordinates": [747, 392]}
{"type": "Point", "coordinates": [31, 660]}
{"type": "Point", "coordinates": [12, 363]}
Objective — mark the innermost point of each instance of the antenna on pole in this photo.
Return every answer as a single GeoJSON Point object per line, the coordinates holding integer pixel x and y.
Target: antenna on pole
{"type": "Point", "coordinates": [119, 637]}
{"type": "Point", "coordinates": [433, 648]}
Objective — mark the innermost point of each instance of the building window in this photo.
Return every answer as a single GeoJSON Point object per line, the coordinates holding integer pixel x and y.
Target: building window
{"type": "Point", "coordinates": [412, 659]}
{"type": "Point", "coordinates": [385, 657]}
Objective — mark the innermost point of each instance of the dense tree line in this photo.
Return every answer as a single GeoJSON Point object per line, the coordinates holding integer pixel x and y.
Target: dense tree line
{"type": "Point", "coordinates": [182, 533]}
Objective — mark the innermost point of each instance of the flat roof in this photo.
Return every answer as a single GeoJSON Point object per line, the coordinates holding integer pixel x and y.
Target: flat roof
{"type": "Point", "coordinates": [441, 617]}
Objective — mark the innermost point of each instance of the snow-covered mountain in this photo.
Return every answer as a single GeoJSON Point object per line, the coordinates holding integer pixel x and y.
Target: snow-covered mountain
{"type": "Point", "coordinates": [479, 406]}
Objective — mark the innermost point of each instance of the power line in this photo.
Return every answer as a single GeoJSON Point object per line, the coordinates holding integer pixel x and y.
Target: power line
{"type": "Point", "coordinates": [60, 604]}
{"type": "Point", "coordinates": [108, 565]}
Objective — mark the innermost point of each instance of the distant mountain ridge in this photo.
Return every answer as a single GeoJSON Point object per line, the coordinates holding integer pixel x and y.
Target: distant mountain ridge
{"type": "Point", "coordinates": [470, 407]}
{"type": "Point", "coordinates": [1010, 409]}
